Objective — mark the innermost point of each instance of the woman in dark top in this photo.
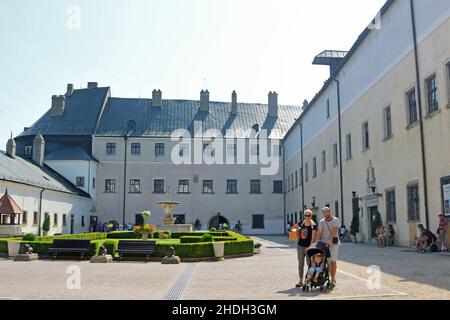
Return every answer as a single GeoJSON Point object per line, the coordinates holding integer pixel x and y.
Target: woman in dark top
{"type": "Point", "coordinates": [307, 232]}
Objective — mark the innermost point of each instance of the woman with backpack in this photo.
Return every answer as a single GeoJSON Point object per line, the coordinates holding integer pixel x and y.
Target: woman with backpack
{"type": "Point", "coordinates": [307, 232]}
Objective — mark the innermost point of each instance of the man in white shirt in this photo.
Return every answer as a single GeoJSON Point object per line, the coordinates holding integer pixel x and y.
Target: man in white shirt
{"type": "Point", "coordinates": [328, 233]}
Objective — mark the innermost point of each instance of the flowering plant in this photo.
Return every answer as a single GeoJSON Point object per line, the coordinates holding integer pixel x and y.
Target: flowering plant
{"type": "Point", "coordinates": [164, 235]}
{"type": "Point", "coordinates": [147, 228]}
{"type": "Point", "coordinates": [146, 213]}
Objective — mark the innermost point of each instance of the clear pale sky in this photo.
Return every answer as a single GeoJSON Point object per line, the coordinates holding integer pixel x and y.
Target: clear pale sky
{"type": "Point", "coordinates": [178, 46]}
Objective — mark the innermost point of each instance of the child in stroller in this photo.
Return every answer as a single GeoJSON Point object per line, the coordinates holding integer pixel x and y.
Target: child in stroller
{"type": "Point", "coordinates": [317, 275]}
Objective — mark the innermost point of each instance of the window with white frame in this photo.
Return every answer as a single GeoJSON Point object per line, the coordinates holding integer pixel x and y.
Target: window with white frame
{"type": "Point", "coordinates": [432, 94]}
{"type": "Point", "coordinates": [387, 116]}
{"type": "Point", "coordinates": [159, 149]}
{"type": "Point", "coordinates": [324, 161]}
{"type": "Point", "coordinates": [314, 167]}
{"type": "Point", "coordinates": [412, 107]}
{"type": "Point", "coordinates": [183, 186]}
{"type": "Point", "coordinates": [348, 145]}
{"type": "Point", "coordinates": [135, 186]}
{"type": "Point", "coordinates": [208, 186]}
{"type": "Point", "coordinates": [365, 136]}
{"type": "Point", "coordinates": [335, 155]}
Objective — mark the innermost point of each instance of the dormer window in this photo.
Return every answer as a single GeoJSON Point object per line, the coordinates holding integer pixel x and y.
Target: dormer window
{"type": "Point", "coordinates": [28, 150]}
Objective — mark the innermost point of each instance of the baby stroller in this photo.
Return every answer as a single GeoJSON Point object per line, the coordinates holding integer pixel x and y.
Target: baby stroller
{"type": "Point", "coordinates": [323, 281]}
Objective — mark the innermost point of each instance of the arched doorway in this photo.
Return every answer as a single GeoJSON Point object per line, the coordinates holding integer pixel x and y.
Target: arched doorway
{"type": "Point", "coordinates": [217, 220]}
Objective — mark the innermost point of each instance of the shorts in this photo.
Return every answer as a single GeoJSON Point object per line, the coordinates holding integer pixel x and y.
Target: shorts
{"type": "Point", "coordinates": [334, 250]}
{"type": "Point", "coordinates": [312, 271]}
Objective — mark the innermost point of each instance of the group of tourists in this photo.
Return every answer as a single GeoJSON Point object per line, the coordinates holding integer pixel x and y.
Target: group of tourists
{"type": "Point", "coordinates": [427, 239]}
{"type": "Point", "coordinates": [326, 233]}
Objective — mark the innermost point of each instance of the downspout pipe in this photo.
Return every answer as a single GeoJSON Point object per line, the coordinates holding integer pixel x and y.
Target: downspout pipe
{"type": "Point", "coordinates": [341, 179]}
{"type": "Point", "coordinates": [284, 193]}
{"type": "Point", "coordinates": [301, 171]}
{"type": "Point", "coordinates": [419, 100]}
{"type": "Point", "coordinates": [40, 212]}
{"type": "Point", "coordinates": [125, 180]}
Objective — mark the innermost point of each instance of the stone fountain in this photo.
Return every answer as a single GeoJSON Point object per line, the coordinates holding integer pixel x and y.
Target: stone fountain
{"type": "Point", "coordinates": [168, 219]}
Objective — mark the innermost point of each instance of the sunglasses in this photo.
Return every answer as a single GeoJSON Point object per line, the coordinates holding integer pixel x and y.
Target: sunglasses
{"type": "Point", "coordinates": [307, 216]}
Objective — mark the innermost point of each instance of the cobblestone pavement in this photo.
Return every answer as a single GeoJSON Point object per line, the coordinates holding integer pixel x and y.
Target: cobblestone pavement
{"type": "Point", "coordinates": [269, 275]}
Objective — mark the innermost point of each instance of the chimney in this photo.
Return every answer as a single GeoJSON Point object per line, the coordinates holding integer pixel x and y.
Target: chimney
{"type": "Point", "coordinates": [157, 98]}
{"type": "Point", "coordinates": [69, 89]}
{"type": "Point", "coordinates": [58, 104]}
{"type": "Point", "coordinates": [38, 150]}
{"type": "Point", "coordinates": [273, 104]}
{"type": "Point", "coordinates": [92, 85]}
{"type": "Point", "coordinates": [11, 148]}
{"type": "Point", "coordinates": [204, 100]}
{"type": "Point", "coordinates": [305, 104]}
{"type": "Point", "coordinates": [234, 103]}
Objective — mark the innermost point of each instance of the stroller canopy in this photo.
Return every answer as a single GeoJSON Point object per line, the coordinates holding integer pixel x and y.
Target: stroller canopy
{"type": "Point", "coordinates": [316, 248]}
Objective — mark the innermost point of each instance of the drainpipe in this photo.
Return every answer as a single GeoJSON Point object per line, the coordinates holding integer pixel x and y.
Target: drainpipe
{"type": "Point", "coordinates": [40, 212]}
{"type": "Point", "coordinates": [419, 100]}
{"type": "Point", "coordinates": [301, 171]}
{"type": "Point", "coordinates": [341, 180]}
{"type": "Point", "coordinates": [125, 179]}
{"type": "Point", "coordinates": [284, 193]}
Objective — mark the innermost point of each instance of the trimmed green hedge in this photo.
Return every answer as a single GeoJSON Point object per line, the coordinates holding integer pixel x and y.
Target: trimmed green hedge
{"type": "Point", "coordinates": [190, 239]}
{"type": "Point", "coordinates": [123, 235]}
{"type": "Point", "coordinates": [81, 236]}
{"type": "Point", "coordinates": [235, 243]}
{"type": "Point", "coordinates": [177, 235]}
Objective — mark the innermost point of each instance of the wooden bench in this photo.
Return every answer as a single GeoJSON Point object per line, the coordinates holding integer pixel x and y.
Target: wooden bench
{"type": "Point", "coordinates": [138, 247]}
{"type": "Point", "coordinates": [70, 246]}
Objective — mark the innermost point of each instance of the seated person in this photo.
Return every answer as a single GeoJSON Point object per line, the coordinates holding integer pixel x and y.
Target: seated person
{"type": "Point", "coordinates": [425, 239]}
{"type": "Point", "coordinates": [391, 236]}
{"type": "Point", "coordinates": [342, 232]}
{"type": "Point", "coordinates": [381, 236]}
{"type": "Point", "coordinates": [316, 268]}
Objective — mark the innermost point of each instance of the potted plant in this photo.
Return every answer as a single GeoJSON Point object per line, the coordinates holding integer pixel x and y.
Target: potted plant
{"type": "Point", "coordinates": [146, 215]}
{"type": "Point", "coordinates": [218, 246]}
{"type": "Point", "coordinates": [145, 230]}
{"type": "Point", "coordinates": [354, 228]}
{"type": "Point", "coordinates": [46, 225]}
{"type": "Point", "coordinates": [13, 247]}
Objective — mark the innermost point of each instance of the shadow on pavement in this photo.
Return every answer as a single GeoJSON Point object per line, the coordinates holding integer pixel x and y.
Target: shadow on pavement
{"type": "Point", "coordinates": [429, 268]}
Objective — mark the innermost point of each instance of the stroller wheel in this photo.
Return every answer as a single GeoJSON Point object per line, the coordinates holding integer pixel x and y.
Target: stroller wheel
{"type": "Point", "coordinates": [321, 289]}
{"type": "Point", "coordinates": [304, 288]}
{"type": "Point", "coordinates": [328, 285]}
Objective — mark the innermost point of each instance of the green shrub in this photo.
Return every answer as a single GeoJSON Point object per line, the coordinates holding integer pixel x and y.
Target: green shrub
{"type": "Point", "coordinates": [213, 230]}
{"type": "Point", "coordinates": [191, 250]}
{"type": "Point", "coordinates": [354, 227]}
{"type": "Point", "coordinates": [123, 235]}
{"type": "Point", "coordinates": [224, 239]}
{"type": "Point", "coordinates": [39, 247]}
{"type": "Point", "coordinates": [190, 239]}
{"type": "Point", "coordinates": [238, 247]}
{"type": "Point", "coordinates": [29, 237]}
{"type": "Point", "coordinates": [81, 236]}
{"type": "Point", "coordinates": [46, 225]}
{"type": "Point", "coordinates": [207, 238]}
{"type": "Point", "coordinates": [178, 235]}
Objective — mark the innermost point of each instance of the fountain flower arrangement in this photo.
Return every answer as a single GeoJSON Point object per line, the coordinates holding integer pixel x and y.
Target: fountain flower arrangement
{"type": "Point", "coordinates": [145, 230]}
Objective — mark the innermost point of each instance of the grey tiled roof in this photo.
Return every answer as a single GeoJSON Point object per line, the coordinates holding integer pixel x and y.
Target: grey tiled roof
{"type": "Point", "coordinates": [80, 117]}
{"type": "Point", "coordinates": [23, 171]}
{"type": "Point", "coordinates": [69, 153]}
{"type": "Point", "coordinates": [181, 114]}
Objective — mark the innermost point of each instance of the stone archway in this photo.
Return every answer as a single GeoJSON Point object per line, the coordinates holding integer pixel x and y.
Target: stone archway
{"type": "Point", "coordinates": [217, 220]}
